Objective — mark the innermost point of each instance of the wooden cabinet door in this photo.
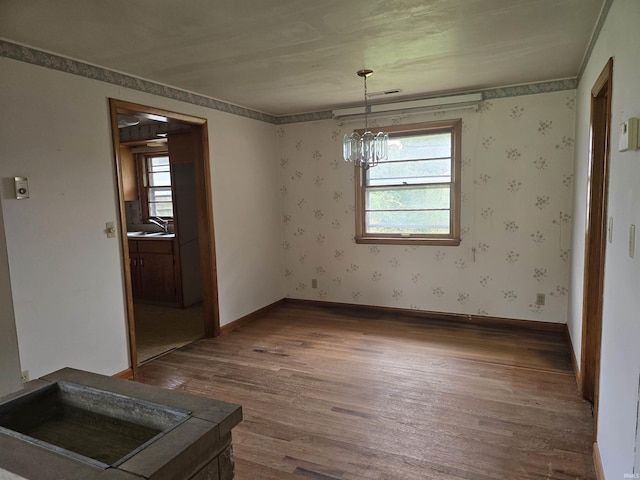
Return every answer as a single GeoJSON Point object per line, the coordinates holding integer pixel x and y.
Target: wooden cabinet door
{"type": "Point", "coordinates": [134, 269]}
{"type": "Point", "coordinates": [181, 148]}
{"type": "Point", "coordinates": [136, 289]}
{"type": "Point", "coordinates": [129, 174]}
{"type": "Point", "coordinates": [157, 278]}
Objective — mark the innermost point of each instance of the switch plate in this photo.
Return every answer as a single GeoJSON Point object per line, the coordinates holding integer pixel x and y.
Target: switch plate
{"type": "Point", "coordinates": [314, 283]}
{"type": "Point", "coordinates": [610, 229]}
{"type": "Point", "coordinates": [110, 230]}
{"type": "Point", "coordinates": [632, 241]}
{"type": "Point", "coordinates": [22, 187]}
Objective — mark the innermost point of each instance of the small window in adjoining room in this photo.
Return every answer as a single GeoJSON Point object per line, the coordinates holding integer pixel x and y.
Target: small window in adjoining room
{"type": "Point", "coordinates": [413, 197]}
{"type": "Point", "coordinates": [156, 178]}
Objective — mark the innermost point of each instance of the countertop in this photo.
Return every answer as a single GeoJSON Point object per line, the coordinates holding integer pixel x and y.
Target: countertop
{"type": "Point", "coordinates": [150, 236]}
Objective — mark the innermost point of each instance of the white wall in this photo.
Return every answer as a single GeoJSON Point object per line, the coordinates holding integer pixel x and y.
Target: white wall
{"type": "Point", "coordinates": [516, 212]}
{"type": "Point", "coordinates": [9, 356]}
{"type": "Point", "coordinates": [65, 274]}
{"type": "Point", "coordinates": [620, 356]}
{"type": "Point", "coordinates": [247, 216]}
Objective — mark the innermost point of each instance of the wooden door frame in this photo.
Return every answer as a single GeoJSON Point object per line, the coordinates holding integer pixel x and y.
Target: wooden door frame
{"type": "Point", "coordinates": [596, 237]}
{"type": "Point", "coordinates": [202, 172]}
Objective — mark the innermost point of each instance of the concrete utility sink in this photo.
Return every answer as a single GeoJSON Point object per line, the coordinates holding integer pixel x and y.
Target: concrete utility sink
{"type": "Point", "coordinates": [90, 425]}
{"type": "Point", "coordinates": [78, 425]}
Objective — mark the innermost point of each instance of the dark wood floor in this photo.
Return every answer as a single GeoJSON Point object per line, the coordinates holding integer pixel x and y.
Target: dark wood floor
{"type": "Point", "coordinates": [337, 394]}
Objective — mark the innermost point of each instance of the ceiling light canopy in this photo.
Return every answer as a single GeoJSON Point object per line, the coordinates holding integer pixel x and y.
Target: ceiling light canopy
{"type": "Point", "coordinates": [365, 150]}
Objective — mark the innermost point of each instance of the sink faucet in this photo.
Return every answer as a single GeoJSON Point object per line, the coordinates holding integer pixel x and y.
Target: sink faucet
{"type": "Point", "coordinates": [159, 222]}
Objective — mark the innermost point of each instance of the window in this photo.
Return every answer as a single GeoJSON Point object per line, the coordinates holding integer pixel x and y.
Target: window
{"type": "Point", "coordinates": [156, 177]}
{"type": "Point", "coordinates": [414, 196]}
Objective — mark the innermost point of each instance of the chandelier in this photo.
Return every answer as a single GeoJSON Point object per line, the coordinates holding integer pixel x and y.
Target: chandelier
{"type": "Point", "coordinates": [365, 150]}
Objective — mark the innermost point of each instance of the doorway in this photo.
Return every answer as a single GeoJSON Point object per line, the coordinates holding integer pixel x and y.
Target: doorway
{"type": "Point", "coordinates": [596, 237]}
{"type": "Point", "coordinates": [187, 256]}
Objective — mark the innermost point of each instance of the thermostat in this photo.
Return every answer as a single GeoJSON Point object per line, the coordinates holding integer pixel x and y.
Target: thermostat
{"type": "Point", "coordinates": [628, 135]}
{"type": "Point", "coordinates": [22, 187]}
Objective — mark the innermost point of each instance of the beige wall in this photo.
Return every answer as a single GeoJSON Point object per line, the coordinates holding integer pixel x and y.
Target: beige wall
{"type": "Point", "coordinates": [66, 276]}
{"type": "Point", "coordinates": [516, 214]}
{"type": "Point", "coordinates": [9, 356]}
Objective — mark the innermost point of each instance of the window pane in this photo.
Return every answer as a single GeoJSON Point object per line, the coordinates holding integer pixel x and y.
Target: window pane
{"type": "Point", "coordinates": [417, 222]}
{"type": "Point", "coordinates": [160, 194]}
{"type": "Point", "coordinates": [433, 145]}
{"type": "Point", "coordinates": [161, 209]}
{"type": "Point", "coordinates": [424, 198]}
{"type": "Point", "coordinates": [421, 171]}
{"type": "Point", "coordinates": [158, 164]}
{"type": "Point", "coordinates": [160, 179]}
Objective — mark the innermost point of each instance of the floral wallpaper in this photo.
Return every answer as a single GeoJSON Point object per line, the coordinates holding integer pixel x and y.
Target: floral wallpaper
{"type": "Point", "coordinates": [515, 217]}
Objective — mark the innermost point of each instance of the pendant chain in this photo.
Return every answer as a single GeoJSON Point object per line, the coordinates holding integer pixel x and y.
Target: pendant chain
{"type": "Point", "coordinates": [366, 107]}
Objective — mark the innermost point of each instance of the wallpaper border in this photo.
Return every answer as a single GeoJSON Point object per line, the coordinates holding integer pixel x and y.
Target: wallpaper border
{"type": "Point", "coordinates": [487, 94]}
{"type": "Point", "coordinates": [53, 61]}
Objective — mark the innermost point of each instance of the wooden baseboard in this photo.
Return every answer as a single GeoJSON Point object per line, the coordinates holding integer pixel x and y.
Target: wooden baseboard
{"type": "Point", "coordinates": [126, 374]}
{"type": "Point", "coordinates": [224, 329]}
{"type": "Point", "coordinates": [574, 362]}
{"type": "Point", "coordinates": [597, 462]}
{"type": "Point", "coordinates": [427, 315]}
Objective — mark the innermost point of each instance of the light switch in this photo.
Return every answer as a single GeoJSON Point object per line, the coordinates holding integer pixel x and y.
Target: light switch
{"type": "Point", "coordinates": [110, 230]}
{"type": "Point", "coordinates": [610, 229]}
{"type": "Point", "coordinates": [632, 240]}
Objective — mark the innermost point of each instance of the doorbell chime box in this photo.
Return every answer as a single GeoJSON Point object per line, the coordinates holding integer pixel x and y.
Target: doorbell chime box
{"type": "Point", "coordinates": [628, 135]}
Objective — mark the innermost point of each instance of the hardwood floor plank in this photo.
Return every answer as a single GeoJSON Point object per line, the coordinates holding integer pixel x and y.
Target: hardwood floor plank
{"type": "Point", "coordinates": [332, 394]}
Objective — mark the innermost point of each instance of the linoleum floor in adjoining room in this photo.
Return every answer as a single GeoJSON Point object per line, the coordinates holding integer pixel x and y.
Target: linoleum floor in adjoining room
{"type": "Point", "coordinates": [161, 328]}
{"type": "Point", "coordinates": [333, 393]}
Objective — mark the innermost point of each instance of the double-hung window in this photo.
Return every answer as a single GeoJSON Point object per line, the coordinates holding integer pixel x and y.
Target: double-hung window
{"type": "Point", "coordinates": [156, 176]}
{"type": "Point", "coordinates": [413, 197]}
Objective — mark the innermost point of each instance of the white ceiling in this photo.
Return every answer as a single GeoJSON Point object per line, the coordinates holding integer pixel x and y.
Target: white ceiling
{"type": "Point", "coordinates": [293, 56]}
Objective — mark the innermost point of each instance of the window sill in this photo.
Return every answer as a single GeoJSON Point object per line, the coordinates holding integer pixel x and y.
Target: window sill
{"type": "Point", "coordinates": [445, 242]}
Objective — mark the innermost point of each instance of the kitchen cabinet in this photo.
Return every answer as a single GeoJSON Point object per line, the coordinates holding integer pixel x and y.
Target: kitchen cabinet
{"type": "Point", "coordinates": [128, 172]}
{"type": "Point", "coordinates": [182, 147]}
{"type": "Point", "coordinates": [153, 270]}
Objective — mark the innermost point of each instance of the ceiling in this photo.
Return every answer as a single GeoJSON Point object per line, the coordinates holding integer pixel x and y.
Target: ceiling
{"type": "Point", "coordinates": [284, 57]}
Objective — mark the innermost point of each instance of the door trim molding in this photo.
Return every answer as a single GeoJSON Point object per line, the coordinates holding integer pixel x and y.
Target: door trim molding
{"type": "Point", "coordinates": [596, 236]}
{"type": "Point", "coordinates": [205, 219]}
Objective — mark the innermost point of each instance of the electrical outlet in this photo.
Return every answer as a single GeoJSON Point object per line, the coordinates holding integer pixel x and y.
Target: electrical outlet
{"type": "Point", "coordinates": [540, 299]}
{"type": "Point", "coordinates": [24, 376]}
{"type": "Point", "coordinates": [314, 283]}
